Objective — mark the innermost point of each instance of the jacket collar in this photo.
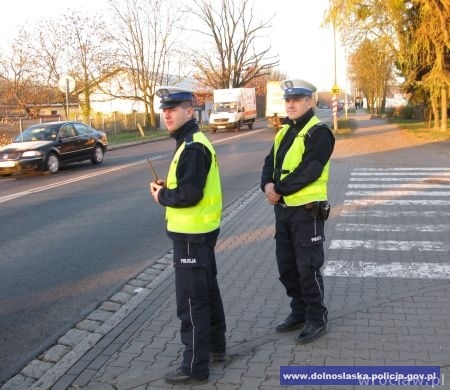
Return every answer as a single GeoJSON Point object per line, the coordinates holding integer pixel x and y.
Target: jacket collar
{"type": "Point", "coordinates": [189, 128]}
{"type": "Point", "coordinates": [299, 123]}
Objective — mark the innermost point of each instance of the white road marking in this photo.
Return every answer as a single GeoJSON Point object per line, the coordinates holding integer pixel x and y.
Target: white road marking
{"type": "Point", "coordinates": [426, 179]}
{"type": "Point", "coordinates": [394, 173]}
{"type": "Point", "coordinates": [7, 198]}
{"type": "Point", "coordinates": [399, 186]}
{"type": "Point", "coordinates": [396, 202]}
{"type": "Point", "coordinates": [390, 187]}
{"type": "Point", "coordinates": [402, 169]}
{"type": "Point", "coordinates": [398, 193]}
{"type": "Point", "coordinates": [252, 133]}
{"type": "Point", "coordinates": [366, 227]}
{"type": "Point", "coordinates": [364, 269]}
{"type": "Point", "coordinates": [390, 245]}
{"type": "Point", "coordinates": [394, 214]}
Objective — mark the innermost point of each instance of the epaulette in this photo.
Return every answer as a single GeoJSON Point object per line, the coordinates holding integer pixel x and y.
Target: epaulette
{"type": "Point", "coordinates": [316, 126]}
{"type": "Point", "coordinates": [189, 140]}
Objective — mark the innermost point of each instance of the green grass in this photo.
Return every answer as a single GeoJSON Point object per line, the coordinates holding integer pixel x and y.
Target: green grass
{"type": "Point", "coordinates": [134, 136]}
{"type": "Point", "coordinates": [345, 126]}
{"type": "Point", "coordinates": [420, 129]}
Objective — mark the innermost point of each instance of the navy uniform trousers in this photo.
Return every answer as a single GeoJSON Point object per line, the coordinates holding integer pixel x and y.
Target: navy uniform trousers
{"type": "Point", "coordinates": [299, 250]}
{"type": "Point", "coordinates": [199, 303]}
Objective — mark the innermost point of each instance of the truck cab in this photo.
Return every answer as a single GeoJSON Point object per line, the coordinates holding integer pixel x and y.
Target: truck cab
{"type": "Point", "coordinates": [233, 108]}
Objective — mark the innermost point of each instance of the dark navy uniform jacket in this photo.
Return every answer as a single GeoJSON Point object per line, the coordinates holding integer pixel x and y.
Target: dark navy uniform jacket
{"type": "Point", "coordinates": [319, 146]}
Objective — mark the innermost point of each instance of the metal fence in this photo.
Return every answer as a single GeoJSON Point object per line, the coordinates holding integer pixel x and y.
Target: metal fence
{"type": "Point", "coordinates": [113, 123]}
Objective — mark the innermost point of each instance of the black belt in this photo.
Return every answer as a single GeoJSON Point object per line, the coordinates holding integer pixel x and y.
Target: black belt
{"type": "Point", "coordinates": [281, 171]}
{"type": "Point", "coordinates": [307, 206]}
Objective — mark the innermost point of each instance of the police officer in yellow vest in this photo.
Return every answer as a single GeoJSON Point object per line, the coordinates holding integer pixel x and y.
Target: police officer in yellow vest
{"type": "Point", "coordinates": [294, 179]}
{"type": "Point", "coordinates": [193, 199]}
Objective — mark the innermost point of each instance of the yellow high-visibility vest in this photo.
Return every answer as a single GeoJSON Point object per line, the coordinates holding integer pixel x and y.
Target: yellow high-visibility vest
{"type": "Point", "coordinates": [314, 191]}
{"type": "Point", "coordinates": [205, 216]}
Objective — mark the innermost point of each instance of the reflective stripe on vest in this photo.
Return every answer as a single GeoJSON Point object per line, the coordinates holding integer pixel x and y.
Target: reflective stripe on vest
{"type": "Point", "coordinates": [205, 215]}
{"type": "Point", "coordinates": [314, 191]}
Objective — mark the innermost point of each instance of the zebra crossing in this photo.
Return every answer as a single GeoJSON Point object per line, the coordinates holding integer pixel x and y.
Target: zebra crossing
{"type": "Point", "coordinates": [394, 222]}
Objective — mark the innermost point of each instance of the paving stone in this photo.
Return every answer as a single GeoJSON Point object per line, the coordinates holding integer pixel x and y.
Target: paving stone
{"type": "Point", "coordinates": [110, 306]}
{"type": "Point", "coordinates": [19, 382]}
{"type": "Point", "coordinates": [139, 281]}
{"type": "Point", "coordinates": [36, 368]}
{"type": "Point", "coordinates": [121, 297]}
{"type": "Point", "coordinates": [73, 337]}
{"type": "Point", "coordinates": [102, 314]}
{"type": "Point", "coordinates": [373, 321]}
{"type": "Point", "coordinates": [55, 353]}
{"type": "Point", "coordinates": [88, 325]}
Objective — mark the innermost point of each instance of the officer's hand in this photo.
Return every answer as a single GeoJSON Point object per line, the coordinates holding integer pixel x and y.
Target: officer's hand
{"type": "Point", "coordinates": [271, 196]}
{"type": "Point", "coordinates": [154, 189]}
{"type": "Point", "coordinates": [161, 182]}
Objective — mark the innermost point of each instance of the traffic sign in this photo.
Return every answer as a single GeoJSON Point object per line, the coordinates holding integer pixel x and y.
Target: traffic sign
{"type": "Point", "coordinates": [335, 90]}
{"type": "Point", "coordinates": [66, 84]}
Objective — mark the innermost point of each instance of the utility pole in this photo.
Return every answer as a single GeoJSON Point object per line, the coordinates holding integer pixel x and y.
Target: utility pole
{"type": "Point", "coordinates": [335, 89]}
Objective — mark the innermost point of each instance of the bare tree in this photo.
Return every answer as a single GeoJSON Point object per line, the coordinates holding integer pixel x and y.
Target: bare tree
{"type": "Point", "coordinates": [23, 84]}
{"type": "Point", "coordinates": [147, 33]}
{"type": "Point", "coordinates": [45, 45]}
{"type": "Point", "coordinates": [89, 55]}
{"type": "Point", "coordinates": [72, 44]}
{"type": "Point", "coordinates": [231, 57]}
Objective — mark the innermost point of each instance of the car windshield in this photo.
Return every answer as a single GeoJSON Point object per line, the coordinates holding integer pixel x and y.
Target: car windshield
{"type": "Point", "coordinates": [224, 107]}
{"type": "Point", "coordinates": [38, 133]}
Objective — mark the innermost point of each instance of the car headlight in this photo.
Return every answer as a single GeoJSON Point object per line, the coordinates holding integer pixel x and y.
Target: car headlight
{"type": "Point", "coordinates": [32, 153]}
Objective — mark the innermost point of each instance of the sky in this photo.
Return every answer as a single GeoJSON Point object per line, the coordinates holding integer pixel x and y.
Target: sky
{"type": "Point", "coordinates": [305, 50]}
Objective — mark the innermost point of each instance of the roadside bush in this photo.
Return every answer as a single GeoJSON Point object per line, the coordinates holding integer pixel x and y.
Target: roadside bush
{"type": "Point", "coordinates": [5, 140]}
{"type": "Point", "coordinates": [407, 112]}
{"type": "Point", "coordinates": [390, 112]}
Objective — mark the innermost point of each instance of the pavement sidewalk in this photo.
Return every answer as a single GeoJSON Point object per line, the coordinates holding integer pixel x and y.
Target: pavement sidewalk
{"type": "Point", "coordinates": [132, 340]}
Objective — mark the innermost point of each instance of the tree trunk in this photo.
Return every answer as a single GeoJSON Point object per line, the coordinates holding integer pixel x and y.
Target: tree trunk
{"type": "Point", "coordinates": [444, 117]}
{"type": "Point", "coordinates": [147, 118]}
{"type": "Point", "coordinates": [428, 117]}
{"type": "Point", "coordinates": [435, 111]}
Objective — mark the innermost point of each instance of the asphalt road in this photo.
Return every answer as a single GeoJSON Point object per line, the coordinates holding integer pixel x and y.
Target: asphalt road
{"type": "Point", "coordinates": [70, 241]}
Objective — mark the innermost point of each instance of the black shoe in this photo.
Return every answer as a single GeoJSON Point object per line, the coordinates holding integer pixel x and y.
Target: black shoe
{"type": "Point", "coordinates": [182, 377]}
{"type": "Point", "coordinates": [217, 356]}
{"type": "Point", "coordinates": [311, 332]}
{"type": "Point", "coordinates": [290, 323]}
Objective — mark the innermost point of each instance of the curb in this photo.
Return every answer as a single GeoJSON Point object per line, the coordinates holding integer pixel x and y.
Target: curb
{"type": "Point", "coordinates": [45, 370]}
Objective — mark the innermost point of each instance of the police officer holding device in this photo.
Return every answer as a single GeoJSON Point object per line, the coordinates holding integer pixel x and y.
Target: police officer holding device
{"type": "Point", "coordinates": [294, 179]}
{"type": "Point", "coordinates": [193, 199]}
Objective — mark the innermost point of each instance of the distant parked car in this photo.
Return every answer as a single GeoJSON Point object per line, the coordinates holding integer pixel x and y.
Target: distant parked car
{"type": "Point", "coordinates": [47, 146]}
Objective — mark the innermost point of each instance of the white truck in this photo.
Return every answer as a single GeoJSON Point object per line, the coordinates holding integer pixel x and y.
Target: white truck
{"type": "Point", "coordinates": [275, 107]}
{"type": "Point", "coordinates": [232, 108]}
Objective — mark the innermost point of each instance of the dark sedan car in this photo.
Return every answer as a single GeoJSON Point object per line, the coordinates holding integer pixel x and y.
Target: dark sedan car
{"type": "Point", "coordinates": [47, 146]}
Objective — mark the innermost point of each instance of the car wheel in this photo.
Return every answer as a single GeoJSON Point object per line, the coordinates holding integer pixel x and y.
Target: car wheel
{"type": "Point", "coordinates": [52, 163]}
{"type": "Point", "coordinates": [98, 155]}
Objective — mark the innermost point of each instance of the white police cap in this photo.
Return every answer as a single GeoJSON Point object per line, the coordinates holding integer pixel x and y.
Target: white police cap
{"type": "Point", "coordinates": [173, 96]}
{"type": "Point", "coordinates": [297, 87]}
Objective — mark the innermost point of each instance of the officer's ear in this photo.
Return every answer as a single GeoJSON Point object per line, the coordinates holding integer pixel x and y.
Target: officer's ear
{"type": "Point", "coordinates": [191, 111]}
{"type": "Point", "coordinates": [310, 102]}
